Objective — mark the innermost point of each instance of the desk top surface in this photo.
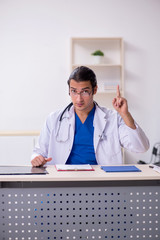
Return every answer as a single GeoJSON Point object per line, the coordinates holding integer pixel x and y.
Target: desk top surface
{"type": "Point", "coordinates": [98, 174]}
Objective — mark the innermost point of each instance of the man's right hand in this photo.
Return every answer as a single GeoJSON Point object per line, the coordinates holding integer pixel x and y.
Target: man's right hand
{"type": "Point", "coordinates": [40, 161]}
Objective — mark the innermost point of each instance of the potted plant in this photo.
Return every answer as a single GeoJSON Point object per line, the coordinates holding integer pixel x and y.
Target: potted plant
{"type": "Point", "coordinates": [98, 55]}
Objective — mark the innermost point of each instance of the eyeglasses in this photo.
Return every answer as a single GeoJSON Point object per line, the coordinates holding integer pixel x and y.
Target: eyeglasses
{"type": "Point", "coordinates": [84, 93]}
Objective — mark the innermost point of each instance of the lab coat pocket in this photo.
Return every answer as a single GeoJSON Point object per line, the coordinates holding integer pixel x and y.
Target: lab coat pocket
{"type": "Point", "coordinates": [62, 134]}
{"type": "Point", "coordinates": [111, 144]}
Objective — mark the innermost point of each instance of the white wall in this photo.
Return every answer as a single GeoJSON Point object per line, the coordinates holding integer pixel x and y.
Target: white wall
{"type": "Point", "coordinates": [35, 58]}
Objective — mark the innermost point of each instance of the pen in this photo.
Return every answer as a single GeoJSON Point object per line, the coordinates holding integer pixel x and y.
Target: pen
{"type": "Point", "coordinates": [151, 166]}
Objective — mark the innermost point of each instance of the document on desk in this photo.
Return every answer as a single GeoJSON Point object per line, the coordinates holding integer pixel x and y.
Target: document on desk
{"type": "Point", "coordinates": [68, 167]}
{"type": "Point", "coordinates": [120, 168]}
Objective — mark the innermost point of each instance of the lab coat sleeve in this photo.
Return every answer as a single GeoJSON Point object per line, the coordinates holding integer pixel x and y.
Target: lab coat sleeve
{"type": "Point", "coordinates": [41, 147]}
{"type": "Point", "coordinates": [134, 140]}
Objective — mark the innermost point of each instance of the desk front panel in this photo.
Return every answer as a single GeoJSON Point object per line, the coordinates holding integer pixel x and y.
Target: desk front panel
{"type": "Point", "coordinates": [119, 210]}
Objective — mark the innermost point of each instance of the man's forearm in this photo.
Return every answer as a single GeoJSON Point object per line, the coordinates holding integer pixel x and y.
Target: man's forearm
{"type": "Point", "coordinates": [129, 121]}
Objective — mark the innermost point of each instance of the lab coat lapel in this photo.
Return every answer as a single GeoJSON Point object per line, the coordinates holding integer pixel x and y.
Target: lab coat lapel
{"type": "Point", "coordinates": [71, 119]}
{"type": "Point", "coordinates": [66, 126]}
{"type": "Point", "coordinates": [99, 124]}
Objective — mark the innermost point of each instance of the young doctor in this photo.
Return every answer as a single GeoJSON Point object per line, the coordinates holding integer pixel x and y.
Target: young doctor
{"type": "Point", "coordinates": [84, 132]}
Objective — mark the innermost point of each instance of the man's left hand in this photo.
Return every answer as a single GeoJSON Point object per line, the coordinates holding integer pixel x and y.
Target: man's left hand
{"type": "Point", "coordinates": [121, 106]}
{"type": "Point", "coordinates": [120, 103]}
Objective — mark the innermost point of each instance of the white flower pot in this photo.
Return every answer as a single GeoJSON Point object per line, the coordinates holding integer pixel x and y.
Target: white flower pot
{"type": "Point", "coordinates": [97, 59]}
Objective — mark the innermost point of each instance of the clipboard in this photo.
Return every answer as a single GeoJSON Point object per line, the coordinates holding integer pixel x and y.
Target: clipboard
{"type": "Point", "coordinates": [120, 168]}
{"type": "Point", "coordinates": [22, 170]}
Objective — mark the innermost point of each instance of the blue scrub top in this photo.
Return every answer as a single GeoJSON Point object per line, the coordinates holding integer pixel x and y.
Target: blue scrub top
{"type": "Point", "coordinates": [83, 148]}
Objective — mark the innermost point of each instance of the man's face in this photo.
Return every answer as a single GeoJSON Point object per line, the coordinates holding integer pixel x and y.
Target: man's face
{"type": "Point", "coordinates": [82, 95]}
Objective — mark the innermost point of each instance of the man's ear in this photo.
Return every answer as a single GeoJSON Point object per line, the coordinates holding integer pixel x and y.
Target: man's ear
{"type": "Point", "coordinates": [95, 90]}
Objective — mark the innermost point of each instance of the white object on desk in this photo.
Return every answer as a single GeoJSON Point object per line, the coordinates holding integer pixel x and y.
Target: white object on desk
{"type": "Point", "coordinates": [156, 168]}
{"type": "Point", "coordinates": [68, 167]}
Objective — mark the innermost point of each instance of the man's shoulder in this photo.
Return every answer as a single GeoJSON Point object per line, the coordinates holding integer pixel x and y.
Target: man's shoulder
{"type": "Point", "coordinates": [108, 112]}
{"type": "Point", "coordinates": [55, 113]}
{"type": "Point", "coordinates": [61, 113]}
{"type": "Point", "coordinates": [53, 118]}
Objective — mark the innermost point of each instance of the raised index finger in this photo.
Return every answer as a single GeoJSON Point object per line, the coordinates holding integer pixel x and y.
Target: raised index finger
{"type": "Point", "coordinates": [118, 91]}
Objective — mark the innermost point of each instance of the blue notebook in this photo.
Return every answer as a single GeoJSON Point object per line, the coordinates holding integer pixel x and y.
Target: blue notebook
{"type": "Point", "coordinates": [120, 169]}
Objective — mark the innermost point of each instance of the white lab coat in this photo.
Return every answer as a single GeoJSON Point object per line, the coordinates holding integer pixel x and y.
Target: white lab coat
{"type": "Point", "coordinates": [110, 135]}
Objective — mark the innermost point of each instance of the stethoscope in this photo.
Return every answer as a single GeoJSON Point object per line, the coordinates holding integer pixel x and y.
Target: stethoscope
{"type": "Point", "coordinates": [69, 106]}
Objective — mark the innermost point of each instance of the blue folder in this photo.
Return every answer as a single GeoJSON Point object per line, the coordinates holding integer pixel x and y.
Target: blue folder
{"type": "Point", "coordinates": [120, 168]}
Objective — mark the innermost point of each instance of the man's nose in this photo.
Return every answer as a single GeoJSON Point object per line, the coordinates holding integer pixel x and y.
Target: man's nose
{"type": "Point", "coordinates": [79, 97]}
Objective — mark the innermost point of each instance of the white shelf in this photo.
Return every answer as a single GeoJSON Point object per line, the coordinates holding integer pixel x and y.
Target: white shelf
{"type": "Point", "coordinates": [97, 65]}
{"type": "Point", "coordinates": [110, 70]}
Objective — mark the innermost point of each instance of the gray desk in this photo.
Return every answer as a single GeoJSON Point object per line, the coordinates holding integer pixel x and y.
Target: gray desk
{"type": "Point", "coordinates": [81, 205]}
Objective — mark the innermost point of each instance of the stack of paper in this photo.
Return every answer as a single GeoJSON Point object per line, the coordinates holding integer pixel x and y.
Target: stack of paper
{"type": "Point", "coordinates": [65, 167]}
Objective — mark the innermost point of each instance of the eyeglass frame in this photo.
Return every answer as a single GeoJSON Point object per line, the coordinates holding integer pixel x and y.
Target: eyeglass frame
{"type": "Point", "coordinates": [81, 93]}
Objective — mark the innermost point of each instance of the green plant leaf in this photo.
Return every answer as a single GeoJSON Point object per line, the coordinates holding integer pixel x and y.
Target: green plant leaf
{"type": "Point", "coordinates": [98, 53]}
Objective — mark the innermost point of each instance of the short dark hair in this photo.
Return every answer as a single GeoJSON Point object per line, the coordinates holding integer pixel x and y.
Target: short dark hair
{"type": "Point", "coordinates": [83, 73]}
